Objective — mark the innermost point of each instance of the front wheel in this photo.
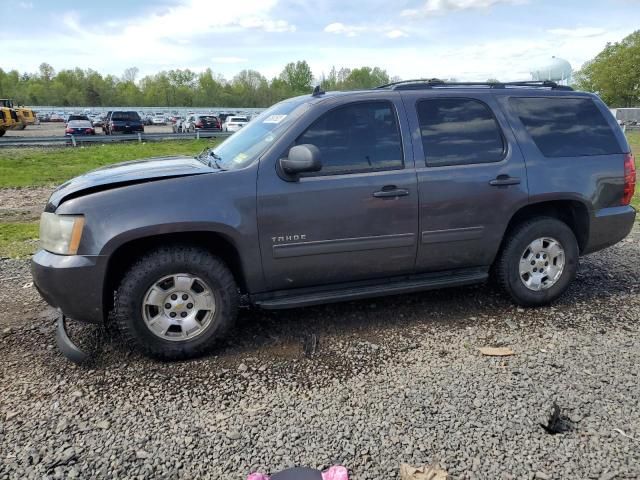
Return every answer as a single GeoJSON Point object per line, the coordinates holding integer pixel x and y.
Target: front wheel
{"type": "Point", "coordinates": [174, 303]}
{"type": "Point", "coordinates": [538, 261]}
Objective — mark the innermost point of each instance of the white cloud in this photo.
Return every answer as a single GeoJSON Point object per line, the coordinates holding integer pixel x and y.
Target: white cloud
{"type": "Point", "coordinates": [342, 29]}
{"type": "Point", "coordinates": [579, 32]}
{"type": "Point", "coordinates": [396, 34]}
{"type": "Point", "coordinates": [338, 28]}
{"type": "Point", "coordinates": [433, 7]}
{"type": "Point", "coordinates": [229, 60]}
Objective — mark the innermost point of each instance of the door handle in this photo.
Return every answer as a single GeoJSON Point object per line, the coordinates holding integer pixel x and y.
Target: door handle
{"type": "Point", "coordinates": [503, 180]}
{"type": "Point", "coordinates": [391, 191]}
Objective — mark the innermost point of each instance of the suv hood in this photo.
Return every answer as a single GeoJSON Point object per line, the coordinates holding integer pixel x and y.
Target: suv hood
{"type": "Point", "coordinates": [127, 173]}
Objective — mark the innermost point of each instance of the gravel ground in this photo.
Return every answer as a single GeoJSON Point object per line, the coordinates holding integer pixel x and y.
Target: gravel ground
{"type": "Point", "coordinates": [392, 380]}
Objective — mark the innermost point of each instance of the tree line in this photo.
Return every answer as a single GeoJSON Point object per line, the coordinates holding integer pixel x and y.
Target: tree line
{"type": "Point", "coordinates": [176, 88]}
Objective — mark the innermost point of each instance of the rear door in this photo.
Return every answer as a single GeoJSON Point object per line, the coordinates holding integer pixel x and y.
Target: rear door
{"type": "Point", "coordinates": [471, 177]}
{"type": "Point", "coordinates": [357, 218]}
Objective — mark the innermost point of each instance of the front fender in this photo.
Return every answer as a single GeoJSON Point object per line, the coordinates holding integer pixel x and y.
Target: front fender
{"type": "Point", "coordinates": [223, 203]}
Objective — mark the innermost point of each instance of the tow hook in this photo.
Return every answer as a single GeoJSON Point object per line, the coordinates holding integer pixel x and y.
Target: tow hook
{"type": "Point", "coordinates": [66, 346]}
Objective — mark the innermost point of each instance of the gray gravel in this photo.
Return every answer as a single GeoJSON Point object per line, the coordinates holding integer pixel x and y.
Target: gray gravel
{"type": "Point", "coordinates": [392, 380]}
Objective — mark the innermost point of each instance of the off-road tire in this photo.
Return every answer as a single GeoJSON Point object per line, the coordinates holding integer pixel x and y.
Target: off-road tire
{"type": "Point", "coordinates": [157, 264]}
{"type": "Point", "coordinates": [507, 264]}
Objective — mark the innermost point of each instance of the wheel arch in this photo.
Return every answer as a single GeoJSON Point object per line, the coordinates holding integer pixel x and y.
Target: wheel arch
{"type": "Point", "coordinates": [574, 213]}
{"type": "Point", "coordinates": [125, 254]}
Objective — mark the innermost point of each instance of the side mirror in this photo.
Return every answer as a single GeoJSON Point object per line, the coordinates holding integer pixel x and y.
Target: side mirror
{"type": "Point", "coordinates": [301, 159]}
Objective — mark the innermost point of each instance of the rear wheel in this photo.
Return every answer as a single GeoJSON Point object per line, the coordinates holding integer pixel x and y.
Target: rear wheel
{"type": "Point", "coordinates": [176, 302]}
{"type": "Point", "coordinates": [538, 262]}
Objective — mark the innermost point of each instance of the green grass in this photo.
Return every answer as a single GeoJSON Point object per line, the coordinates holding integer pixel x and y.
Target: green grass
{"type": "Point", "coordinates": [18, 240]}
{"type": "Point", "coordinates": [23, 167]}
{"type": "Point", "coordinates": [634, 141]}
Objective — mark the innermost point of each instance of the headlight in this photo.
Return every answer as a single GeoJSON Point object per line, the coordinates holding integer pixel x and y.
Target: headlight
{"type": "Point", "coordinates": [61, 233]}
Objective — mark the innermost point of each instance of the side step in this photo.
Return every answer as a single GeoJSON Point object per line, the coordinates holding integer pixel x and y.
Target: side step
{"type": "Point", "coordinates": [345, 292]}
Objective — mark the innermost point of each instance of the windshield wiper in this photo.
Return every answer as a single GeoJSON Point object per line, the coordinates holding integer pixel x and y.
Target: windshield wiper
{"type": "Point", "coordinates": [210, 158]}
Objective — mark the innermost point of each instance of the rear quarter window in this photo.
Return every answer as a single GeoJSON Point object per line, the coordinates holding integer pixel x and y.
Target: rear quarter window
{"type": "Point", "coordinates": [566, 127]}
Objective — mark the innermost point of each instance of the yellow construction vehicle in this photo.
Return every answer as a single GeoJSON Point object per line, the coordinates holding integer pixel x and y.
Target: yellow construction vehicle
{"type": "Point", "coordinates": [24, 116]}
{"type": "Point", "coordinates": [8, 119]}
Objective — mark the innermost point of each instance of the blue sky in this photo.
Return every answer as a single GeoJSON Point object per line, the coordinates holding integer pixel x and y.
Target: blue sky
{"type": "Point", "coordinates": [462, 39]}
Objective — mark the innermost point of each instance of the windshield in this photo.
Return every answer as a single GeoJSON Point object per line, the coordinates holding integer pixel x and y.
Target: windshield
{"type": "Point", "coordinates": [244, 146]}
{"type": "Point", "coordinates": [238, 119]}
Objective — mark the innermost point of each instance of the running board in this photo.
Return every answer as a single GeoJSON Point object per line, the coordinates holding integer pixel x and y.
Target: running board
{"type": "Point", "coordinates": [306, 297]}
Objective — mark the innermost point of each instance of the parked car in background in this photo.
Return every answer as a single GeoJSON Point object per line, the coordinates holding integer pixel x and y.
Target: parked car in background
{"type": "Point", "coordinates": [233, 124]}
{"type": "Point", "coordinates": [120, 121]}
{"type": "Point", "coordinates": [159, 119]}
{"type": "Point", "coordinates": [96, 120]}
{"type": "Point", "coordinates": [56, 117]}
{"type": "Point", "coordinates": [177, 125]}
{"type": "Point", "coordinates": [201, 122]}
{"type": "Point", "coordinates": [77, 116]}
{"type": "Point", "coordinates": [223, 116]}
{"type": "Point", "coordinates": [79, 127]}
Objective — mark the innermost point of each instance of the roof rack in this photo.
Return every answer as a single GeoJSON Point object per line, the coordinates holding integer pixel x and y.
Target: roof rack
{"type": "Point", "coordinates": [422, 83]}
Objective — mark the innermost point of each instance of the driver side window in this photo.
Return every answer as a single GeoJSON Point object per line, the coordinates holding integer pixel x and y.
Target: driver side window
{"type": "Point", "coordinates": [358, 137]}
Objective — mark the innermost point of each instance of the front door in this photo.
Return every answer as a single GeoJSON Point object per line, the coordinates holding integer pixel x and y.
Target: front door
{"type": "Point", "coordinates": [355, 219]}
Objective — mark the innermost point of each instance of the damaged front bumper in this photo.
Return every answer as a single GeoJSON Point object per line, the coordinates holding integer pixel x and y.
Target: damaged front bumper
{"type": "Point", "coordinates": [66, 345]}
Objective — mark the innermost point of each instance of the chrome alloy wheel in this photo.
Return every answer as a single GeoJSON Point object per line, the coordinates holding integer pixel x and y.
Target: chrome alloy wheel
{"type": "Point", "coordinates": [178, 307]}
{"type": "Point", "coordinates": [541, 264]}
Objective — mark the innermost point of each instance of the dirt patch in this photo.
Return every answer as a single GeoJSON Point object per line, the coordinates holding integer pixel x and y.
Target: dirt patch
{"type": "Point", "coordinates": [23, 204]}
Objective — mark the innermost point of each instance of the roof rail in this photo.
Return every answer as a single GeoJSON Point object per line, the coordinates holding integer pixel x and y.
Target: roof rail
{"type": "Point", "coordinates": [419, 84]}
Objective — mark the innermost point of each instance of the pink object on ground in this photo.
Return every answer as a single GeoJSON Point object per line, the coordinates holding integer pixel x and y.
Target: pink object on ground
{"type": "Point", "coordinates": [336, 472]}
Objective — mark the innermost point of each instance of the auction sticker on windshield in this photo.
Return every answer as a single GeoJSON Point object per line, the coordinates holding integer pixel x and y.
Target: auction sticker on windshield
{"type": "Point", "coordinates": [274, 118]}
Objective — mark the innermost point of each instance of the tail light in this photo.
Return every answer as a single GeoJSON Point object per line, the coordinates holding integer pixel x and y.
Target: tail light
{"type": "Point", "coordinates": [199, 124]}
{"type": "Point", "coordinates": [69, 130]}
{"type": "Point", "coordinates": [89, 131]}
{"type": "Point", "coordinates": [629, 178]}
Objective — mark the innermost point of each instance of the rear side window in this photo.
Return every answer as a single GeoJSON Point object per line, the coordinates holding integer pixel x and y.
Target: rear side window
{"type": "Point", "coordinates": [459, 131]}
{"type": "Point", "coordinates": [358, 137]}
{"type": "Point", "coordinates": [566, 127]}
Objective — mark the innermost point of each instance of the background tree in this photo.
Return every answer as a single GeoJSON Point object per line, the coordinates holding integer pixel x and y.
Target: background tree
{"type": "Point", "coordinates": [298, 77]}
{"type": "Point", "coordinates": [614, 74]}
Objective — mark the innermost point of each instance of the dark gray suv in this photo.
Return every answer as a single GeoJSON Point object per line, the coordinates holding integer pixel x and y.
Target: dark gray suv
{"type": "Point", "coordinates": [338, 196]}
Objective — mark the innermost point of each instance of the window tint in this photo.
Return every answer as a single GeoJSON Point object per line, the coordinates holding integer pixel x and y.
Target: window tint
{"type": "Point", "coordinates": [356, 137]}
{"type": "Point", "coordinates": [125, 116]}
{"type": "Point", "coordinates": [457, 131]}
{"type": "Point", "coordinates": [566, 127]}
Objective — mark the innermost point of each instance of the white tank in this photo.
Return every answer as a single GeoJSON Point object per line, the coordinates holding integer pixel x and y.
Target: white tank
{"type": "Point", "coordinates": [557, 70]}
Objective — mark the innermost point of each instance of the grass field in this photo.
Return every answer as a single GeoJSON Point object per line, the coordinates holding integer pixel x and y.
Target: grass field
{"type": "Point", "coordinates": [30, 167]}
{"type": "Point", "coordinates": [634, 141]}
{"type": "Point", "coordinates": [51, 166]}
{"type": "Point", "coordinates": [18, 239]}
{"type": "Point", "coordinates": [24, 167]}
